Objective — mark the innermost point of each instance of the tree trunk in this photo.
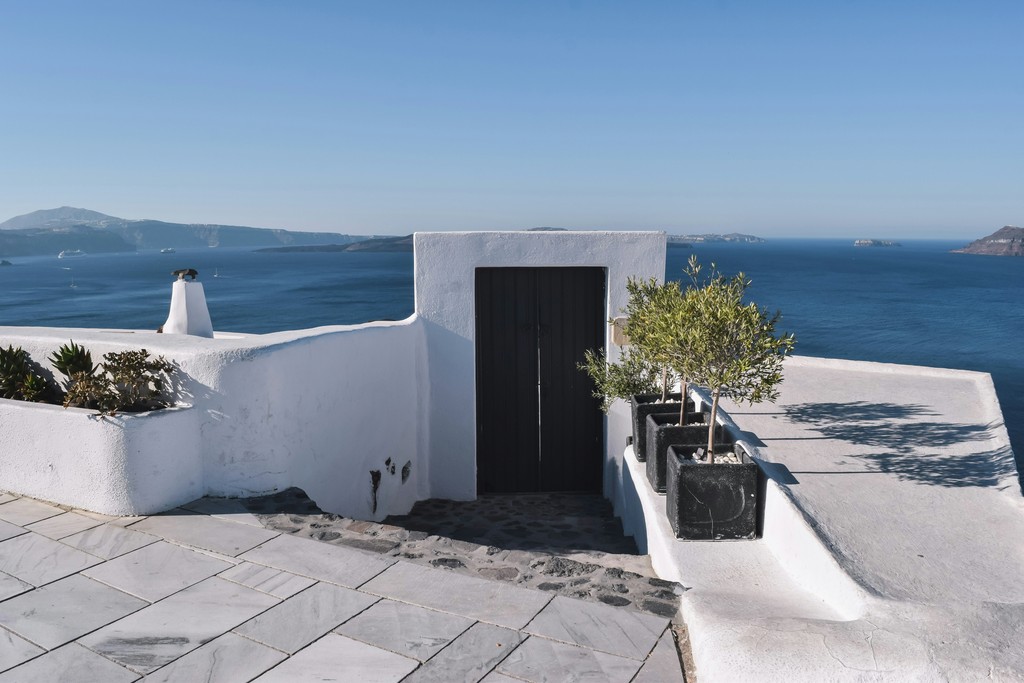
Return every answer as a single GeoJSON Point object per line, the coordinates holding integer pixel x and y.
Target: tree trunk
{"type": "Point", "coordinates": [664, 384]}
{"type": "Point", "coordinates": [711, 428]}
{"type": "Point", "coordinates": [682, 408]}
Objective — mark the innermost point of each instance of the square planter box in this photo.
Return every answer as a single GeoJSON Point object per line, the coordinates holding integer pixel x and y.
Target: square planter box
{"type": "Point", "coordinates": [643, 405]}
{"type": "Point", "coordinates": [129, 464]}
{"type": "Point", "coordinates": [711, 502]}
{"type": "Point", "coordinates": [663, 431]}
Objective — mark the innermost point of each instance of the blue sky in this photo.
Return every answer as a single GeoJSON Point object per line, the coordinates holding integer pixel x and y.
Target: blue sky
{"type": "Point", "coordinates": [793, 118]}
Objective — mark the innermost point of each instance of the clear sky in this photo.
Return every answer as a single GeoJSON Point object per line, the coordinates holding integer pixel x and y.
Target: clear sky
{"type": "Point", "coordinates": [792, 118]}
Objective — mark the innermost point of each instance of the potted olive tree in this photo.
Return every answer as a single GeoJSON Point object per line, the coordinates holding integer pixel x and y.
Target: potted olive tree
{"type": "Point", "coordinates": [649, 319]}
{"type": "Point", "coordinates": [732, 350]}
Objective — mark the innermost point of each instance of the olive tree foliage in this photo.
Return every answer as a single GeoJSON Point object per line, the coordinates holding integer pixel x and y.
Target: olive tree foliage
{"type": "Point", "coordinates": [731, 347]}
{"type": "Point", "coordinates": [649, 326]}
{"type": "Point", "coordinates": [632, 374]}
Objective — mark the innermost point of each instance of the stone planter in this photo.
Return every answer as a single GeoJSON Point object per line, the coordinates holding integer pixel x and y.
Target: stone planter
{"type": "Point", "coordinates": [711, 502]}
{"type": "Point", "coordinates": [129, 464]}
{"type": "Point", "coordinates": [663, 431]}
{"type": "Point", "coordinates": [643, 405]}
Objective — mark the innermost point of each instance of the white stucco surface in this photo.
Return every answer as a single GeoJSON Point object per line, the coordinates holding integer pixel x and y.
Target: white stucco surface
{"type": "Point", "coordinates": [893, 539]}
{"type": "Point", "coordinates": [446, 264]}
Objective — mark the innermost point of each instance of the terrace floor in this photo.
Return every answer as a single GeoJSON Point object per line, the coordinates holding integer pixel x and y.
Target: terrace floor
{"type": "Point", "coordinates": [206, 592]}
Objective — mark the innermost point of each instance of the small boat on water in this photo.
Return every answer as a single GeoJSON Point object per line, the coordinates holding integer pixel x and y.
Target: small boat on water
{"type": "Point", "coordinates": [167, 250]}
{"type": "Point", "coordinates": [71, 253]}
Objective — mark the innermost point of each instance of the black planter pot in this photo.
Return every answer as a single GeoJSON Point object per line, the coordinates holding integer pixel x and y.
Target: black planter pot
{"type": "Point", "coordinates": [663, 431]}
{"type": "Point", "coordinates": [711, 502]}
{"type": "Point", "coordinates": [643, 405]}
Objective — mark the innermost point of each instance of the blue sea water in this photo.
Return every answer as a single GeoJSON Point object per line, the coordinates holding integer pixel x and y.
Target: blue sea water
{"type": "Point", "coordinates": [916, 304]}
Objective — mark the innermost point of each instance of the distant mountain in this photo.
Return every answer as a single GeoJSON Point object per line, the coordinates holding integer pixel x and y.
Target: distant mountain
{"type": "Point", "coordinates": [53, 230]}
{"type": "Point", "coordinates": [376, 244]}
{"type": "Point", "coordinates": [1006, 241]}
{"type": "Point", "coordinates": [712, 237]}
{"type": "Point", "coordinates": [876, 243]}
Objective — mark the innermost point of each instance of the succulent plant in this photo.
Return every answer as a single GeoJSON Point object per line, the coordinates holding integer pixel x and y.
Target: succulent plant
{"type": "Point", "coordinates": [20, 377]}
{"type": "Point", "coordinates": [72, 359]}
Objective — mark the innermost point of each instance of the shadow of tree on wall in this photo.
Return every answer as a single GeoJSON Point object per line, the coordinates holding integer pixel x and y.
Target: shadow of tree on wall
{"type": "Point", "coordinates": [908, 443]}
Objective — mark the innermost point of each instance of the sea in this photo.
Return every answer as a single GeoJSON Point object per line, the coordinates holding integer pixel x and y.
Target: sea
{"type": "Point", "coordinates": [916, 304]}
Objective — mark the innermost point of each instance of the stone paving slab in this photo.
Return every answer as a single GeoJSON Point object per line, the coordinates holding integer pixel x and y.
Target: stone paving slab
{"type": "Point", "coordinates": [171, 628]}
{"type": "Point", "coordinates": [662, 666]}
{"type": "Point", "coordinates": [489, 601]}
{"type": "Point", "coordinates": [342, 566]}
{"type": "Point", "coordinates": [208, 533]}
{"type": "Point", "coordinates": [59, 526]}
{"type": "Point", "coordinates": [408, 630]}
{"type": "Point", "coordinates": [10, 586]}
{"type": "Point", "coordinates": [14, 650]}
{"type": "Point", "coordinates": [280, 584]}
{"type": "Point", "coordinates": [540, 660]}
{"type": "Point", "coordinates": [470, 656]}
{"type": "Point", "coordinates": [4, 497]}
{"type": "Point", "coordinates": [109, 541]}
{"type": "Point", "coordinates": [599, 627]}
{"type": "Point", "coordinates": [37, 560]}
{"type": "Point", "coordinates": [335, 655]}
{"type": "Point", "coordinates": [24, 511]}
{"type": "Point", "coordinates": [64, 610]}
{"type": "Point", "coordinates": [70, 664]}
{"type": "Point", "coordinates": [297, 622]}
{"type": "Point", "coordinates": [227, 659]}
{"type": "Point", "coordinates": [157, 570]}
{"type": "Point", "coordinates": [228, 509]}
{"type": "Point", "coordinates": [8, 530]}
{"type": "Point", "coordinates": [278, 612]}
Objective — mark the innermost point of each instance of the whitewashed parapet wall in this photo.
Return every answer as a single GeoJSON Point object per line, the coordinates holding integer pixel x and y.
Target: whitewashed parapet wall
{"type": "Point", "coordinates": [320, 409]}
{"type": "Point", "coordinates": [446, 264]}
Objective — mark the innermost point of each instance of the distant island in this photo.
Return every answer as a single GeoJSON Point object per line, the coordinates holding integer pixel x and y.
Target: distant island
{"type": "Point", "coordinates": [1006, 241]}
{"type": "Point", "coordinates": [876, 243]}
{"type": "Point", "coordinates": [375, 244]}
{"type": "Point", "coordinates": [52, 231]}
{"type": "Point", "coordinates": [690, 240]}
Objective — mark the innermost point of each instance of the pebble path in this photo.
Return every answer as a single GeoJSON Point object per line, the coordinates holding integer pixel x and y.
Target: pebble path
{"type": "Point", "coordinates": [566, 544]}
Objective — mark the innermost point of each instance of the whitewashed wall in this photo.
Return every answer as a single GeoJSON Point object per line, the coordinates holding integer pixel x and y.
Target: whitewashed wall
{"type": "Point", "coordinates": [318, 409]}
{"type": "Point", "coordinates": [445, 275]}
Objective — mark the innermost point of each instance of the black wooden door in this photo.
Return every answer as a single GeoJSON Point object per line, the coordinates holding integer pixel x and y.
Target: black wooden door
{"type": "Point", "coordinates": [539, 428]}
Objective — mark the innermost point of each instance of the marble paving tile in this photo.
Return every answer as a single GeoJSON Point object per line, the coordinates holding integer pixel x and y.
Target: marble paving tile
{"type": "Point", "coordinates": [599, 627]}
{"type": "Point", "coordinates": [159, 634]}
{"type": "Point", "coordinates": [6, 497]}
{"type": "Point", "coordinates": [109, 541]}
{"type": "Point", "coordinates": [226, 538]}
{"type": "Point", "coordinates": [38, 560]}
{"type": "Point", "coordinates": [63, 525]}
{"type": "Point", "coordinates": [69, 664]}
{"type": "Point", "coordinates": [663, 666]}
{"type": "Point", "coordinates": [227, 659]}
{"type": "Point", "coordinates": [278, 583]}
{"type": "Point", "coordinates": [64, 610]}
{"type": "Point", "coordinates": [470, 656]}
{"type": "Point", "coordinates": [108, 519]}
{"type": "Point", "coordinates": [24, 511]}
{"type": "Point", "coordinates": [337, 658]}
{"type": "Point", "coordinates": [495, 677]}
{"type": "Point", "coordinates": [156, 571]}
{"type": "Point", "coordinates": [15, 650]}
{"type": "Point", "coordinates": [303, 618]}
{"type": "Point", "coordinates": [321, 561]}
{"type": "Point", "coordinates": [409, 630]}
{"type": "Point", "coordinates": [8, 530]}
{"type": "Point", "coordinates": [539, 660]}
{"type": "Point", "coordinates": [228, 509]}
{"type": "Point", "coordinates": [10, 586]}
{"type": "Point", "coordinates": [494, 602]}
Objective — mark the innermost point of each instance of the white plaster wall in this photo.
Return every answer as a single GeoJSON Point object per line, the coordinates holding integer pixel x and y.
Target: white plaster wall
{"type": "Point", "coordinates": [445, 272]}
{"type": "Point", "coordinates": [317, 409]}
